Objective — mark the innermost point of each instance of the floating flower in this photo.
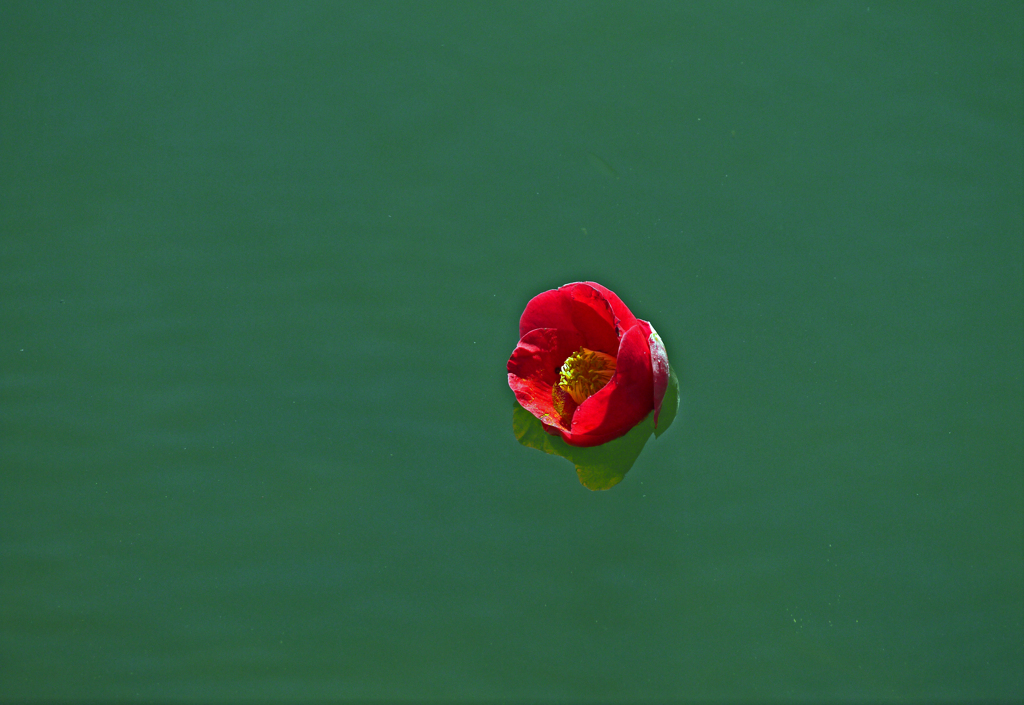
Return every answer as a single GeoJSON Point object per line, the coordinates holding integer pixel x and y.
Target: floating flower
{"type": "Point", "coordinates": [585, 366]}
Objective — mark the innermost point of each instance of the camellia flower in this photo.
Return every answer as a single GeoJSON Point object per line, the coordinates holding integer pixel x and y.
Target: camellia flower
{"type": "Point", "coordinates": [586, 366]}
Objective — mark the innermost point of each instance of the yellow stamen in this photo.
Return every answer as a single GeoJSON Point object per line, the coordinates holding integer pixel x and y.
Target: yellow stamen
{"type": "Point", "coordinates": [585, 372]}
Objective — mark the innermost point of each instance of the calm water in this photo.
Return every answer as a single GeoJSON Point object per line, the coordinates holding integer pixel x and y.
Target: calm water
{"type": "Point", "coordinates": [262, 267]}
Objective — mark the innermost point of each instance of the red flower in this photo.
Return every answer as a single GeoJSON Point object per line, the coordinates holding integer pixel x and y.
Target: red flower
{"type": "Point", "coordinates": [586, 366]}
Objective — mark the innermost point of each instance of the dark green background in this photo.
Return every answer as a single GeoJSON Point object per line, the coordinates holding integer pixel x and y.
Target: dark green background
{"type": "Point", "coordinates": [262, 267]}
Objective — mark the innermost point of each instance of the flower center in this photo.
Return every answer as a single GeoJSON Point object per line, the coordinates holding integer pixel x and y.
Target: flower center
{"type": "Point", "coordinates": [585, 372]}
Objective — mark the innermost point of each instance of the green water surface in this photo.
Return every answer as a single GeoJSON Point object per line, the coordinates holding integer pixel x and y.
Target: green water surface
{"type": "Point", "coordinates": [261, 268]}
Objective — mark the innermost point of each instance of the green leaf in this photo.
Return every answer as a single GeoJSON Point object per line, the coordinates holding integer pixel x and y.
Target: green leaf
{"type": "Point", "coordinates": [604, 466]}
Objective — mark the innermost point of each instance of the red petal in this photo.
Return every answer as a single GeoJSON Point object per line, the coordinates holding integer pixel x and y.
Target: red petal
{"type": "Point", "coordinates": [626, 318]}
{"type": "Point", "coordinates": [594, 318]}
{"type": "Point", "coordinates": [624, 401]}
{"type": "Point", "coordinates": [533, 369]}
{"type": "Point", "coordinates": [576, 307]}
{"type": "Point", "coordinates": [548, 309]}
{"type": "Point", "coordinates": [659, 366]}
